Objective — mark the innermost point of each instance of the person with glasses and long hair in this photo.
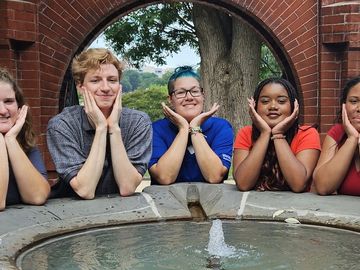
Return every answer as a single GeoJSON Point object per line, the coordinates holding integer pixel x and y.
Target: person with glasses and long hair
{"type": "Point", "coordinates": [275, 153]}
{"type": "Point", "coordinates": [189, 145]}
{"type": "Point", "coordinates": [23, 176]}
{"type": "Point", "coordinates": [339, 164]}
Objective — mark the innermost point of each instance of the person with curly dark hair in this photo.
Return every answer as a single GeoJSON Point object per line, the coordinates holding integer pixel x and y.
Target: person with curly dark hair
{"type": "Point", "coordinates": [189, 145]}
{"type": "Point", "coordinates": [23, 176]}
{"type": "Point", "coordinates": [275, 153]}
{"type": "Point", "coordinates": [338, 167]}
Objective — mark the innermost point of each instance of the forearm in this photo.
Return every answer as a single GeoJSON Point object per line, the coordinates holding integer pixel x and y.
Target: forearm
{"type": "Point", "coordinates": [4, 173]}
{"type": "Point", "coordinates": [33, 187]}
{"type": "Point", "coordinates": [329, 175]}
{"type": "Point", "coordinates": [293, 170]}
{"type": "Point", "coordinates": [87, 179]}
{"type": "Point", "coordinates": [166, 170]}
{"type": "Point", "coordinates": [209, 163]}
{"type": "Point", "coordinates": [247, 172]}
{"type": "Point", "coordinates": [126, 175]}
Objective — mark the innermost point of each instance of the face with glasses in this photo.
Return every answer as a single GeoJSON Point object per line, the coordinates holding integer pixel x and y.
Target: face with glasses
{"type": "Point", "coordinates": [187, 97]}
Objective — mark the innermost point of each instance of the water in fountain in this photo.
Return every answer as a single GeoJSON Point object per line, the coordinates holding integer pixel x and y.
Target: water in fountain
{"type": "Point", "coordinates": [217, 246]}
{"type": "Point", "coordinates": [185, 245]}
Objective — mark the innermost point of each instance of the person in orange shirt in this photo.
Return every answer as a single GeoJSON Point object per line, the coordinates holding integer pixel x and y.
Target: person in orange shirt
{"type": "Point", "coordinates": [275, 153]}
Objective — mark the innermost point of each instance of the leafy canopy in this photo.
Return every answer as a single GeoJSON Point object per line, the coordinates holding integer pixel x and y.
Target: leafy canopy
{"type": "Point", "coordinates": [152, 33]}
{"type": "Point", "coordinates": [269, 67]}
{"type": "Point", "coordinates": [133, 80]}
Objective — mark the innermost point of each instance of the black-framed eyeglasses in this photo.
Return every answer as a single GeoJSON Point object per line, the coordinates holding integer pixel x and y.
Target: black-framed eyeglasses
{"type": "Point", "coordinates": [181, 93]}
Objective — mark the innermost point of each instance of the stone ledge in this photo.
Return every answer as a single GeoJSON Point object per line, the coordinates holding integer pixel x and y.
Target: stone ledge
{"type": "Point", "coordinates": [22, 225]}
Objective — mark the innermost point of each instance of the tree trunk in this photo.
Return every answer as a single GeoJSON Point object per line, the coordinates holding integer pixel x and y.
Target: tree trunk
{"type": "Point", "coordinates": [230, 52]}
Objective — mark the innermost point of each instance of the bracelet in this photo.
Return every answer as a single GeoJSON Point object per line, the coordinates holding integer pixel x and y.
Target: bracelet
{"type": "Point", "coordinates": [277, 136]}
{"type": "Point", "coordinates": [194, 130]}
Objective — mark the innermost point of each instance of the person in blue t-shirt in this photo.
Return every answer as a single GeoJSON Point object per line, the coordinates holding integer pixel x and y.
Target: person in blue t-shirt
{"type": "Point", "coordinates": [22, 171]}
{"type": "Point", "coordinates": [189, 145]}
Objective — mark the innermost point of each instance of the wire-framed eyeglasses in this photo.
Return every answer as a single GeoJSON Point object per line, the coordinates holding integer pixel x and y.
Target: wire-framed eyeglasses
{"type": "Point", "coordinates": [181, 93]}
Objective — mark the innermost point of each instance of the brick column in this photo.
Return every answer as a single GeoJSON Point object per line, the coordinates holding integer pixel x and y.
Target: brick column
{"type": "Point", "coordinates": [19, 51]}
{"type": "Point", "coordinates": [340, 54]}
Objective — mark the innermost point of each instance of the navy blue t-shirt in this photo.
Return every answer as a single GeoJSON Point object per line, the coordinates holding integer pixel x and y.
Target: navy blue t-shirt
{"type": "Point", "coordinates": [13, 195]}
{"type": "Point", "coordinates": [219, 136]}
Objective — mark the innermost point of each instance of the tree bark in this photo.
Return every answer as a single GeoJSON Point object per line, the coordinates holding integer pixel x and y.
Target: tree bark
{"type": "Point", "coordinates": [230, 52]}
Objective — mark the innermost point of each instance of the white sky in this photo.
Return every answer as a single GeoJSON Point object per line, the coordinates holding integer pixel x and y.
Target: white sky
{"type": "Point", "coordinates": [185, 57]}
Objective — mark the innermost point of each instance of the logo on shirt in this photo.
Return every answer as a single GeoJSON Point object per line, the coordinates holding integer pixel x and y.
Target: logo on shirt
{"type": "Point", "coordinates": [226, 157]}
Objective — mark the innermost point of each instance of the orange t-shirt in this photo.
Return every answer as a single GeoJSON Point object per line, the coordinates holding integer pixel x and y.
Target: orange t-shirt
{"type": "Point", "coordinates": [306, 138]}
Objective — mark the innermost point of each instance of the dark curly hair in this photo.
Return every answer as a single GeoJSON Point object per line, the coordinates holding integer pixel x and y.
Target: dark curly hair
{"type": "Point", "coordinates": [271, 177]}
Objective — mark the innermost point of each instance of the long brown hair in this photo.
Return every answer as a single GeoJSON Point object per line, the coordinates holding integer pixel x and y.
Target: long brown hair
{"type": "Point", "coordinates": [26, 136]}
{"type": "Point", "coordinates": [271, 177]}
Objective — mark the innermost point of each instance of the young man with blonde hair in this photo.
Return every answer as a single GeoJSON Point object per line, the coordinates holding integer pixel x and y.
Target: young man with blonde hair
{"type": "Point", "coordinates": [101, 148]}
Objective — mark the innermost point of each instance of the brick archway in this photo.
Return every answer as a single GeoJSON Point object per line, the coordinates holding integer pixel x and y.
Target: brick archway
{"type": "Point", "coordinates": [318, 42]}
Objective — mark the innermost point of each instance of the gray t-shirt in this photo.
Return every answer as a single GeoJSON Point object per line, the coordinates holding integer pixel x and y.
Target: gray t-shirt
{"type": "Point", "coordinates": [70, 137]}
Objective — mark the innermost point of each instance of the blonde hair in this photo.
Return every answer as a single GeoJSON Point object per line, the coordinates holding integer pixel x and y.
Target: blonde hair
{"type": "Point", "coordinates": [91, 59]}
{"type": "Point", "coordinates": [26, 136]}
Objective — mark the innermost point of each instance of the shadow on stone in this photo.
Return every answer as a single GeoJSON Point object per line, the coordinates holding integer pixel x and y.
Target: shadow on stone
{"type": "Point", "coordinates": [193, 203]}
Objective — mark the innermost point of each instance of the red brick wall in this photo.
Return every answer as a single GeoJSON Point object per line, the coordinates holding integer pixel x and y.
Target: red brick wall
{"type": "Point", "coordinates": [295, 25]}
{"type": "Point", "coordinates": [340, 54]}
{"type": "Point", "coordinates": [318, 39]}
{"type": "Point", "coordinates": [19, 50]}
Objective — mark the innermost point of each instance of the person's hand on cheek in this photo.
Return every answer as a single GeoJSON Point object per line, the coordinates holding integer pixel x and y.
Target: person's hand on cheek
{"type": "Point", "coordinates": [15, 130]}
{"type": "Point", "coordinates": [174, 117]}
{"type": "Point", "coordinates": [113, 119]}
{"type": "Point", "coordinates": [92, 110]}
{"type": "Point", "coordinates": [348, 127]}
{"type": "Point", "coordinates": [202, 117]}
{"type": "Point", "coordinates": [258, 121]}
{"type": "Point", "coordinates": [284, 125]}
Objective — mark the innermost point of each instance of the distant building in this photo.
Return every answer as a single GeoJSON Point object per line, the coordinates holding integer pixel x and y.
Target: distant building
{"type": "Point", "coordinates": [159, 71]}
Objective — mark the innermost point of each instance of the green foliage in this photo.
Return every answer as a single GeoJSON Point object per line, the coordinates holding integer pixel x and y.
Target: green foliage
{"type": "Point", "coordinates": [126, 85]}
{"type": "Point", "coordinates": [148, 79]}
{"type": "Point", "coordinates": [156, 31]}
{"type": "Point", "coordinates": [165, 78]}
{"type": "Point", "coordinates": [81, 99]}
{"type": "Point", "coordinates": [152, 33]}
{"type": "Point", "coordinates": [147, 100]}
{"type": "Point", "coordinates": [269, 67]}
{"type": "Point", "coordinates": [133, 80]}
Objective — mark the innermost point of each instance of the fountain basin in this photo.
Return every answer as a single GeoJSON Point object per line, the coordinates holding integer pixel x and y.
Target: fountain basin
{"type": "Point", "coordinates": [23, 226]}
